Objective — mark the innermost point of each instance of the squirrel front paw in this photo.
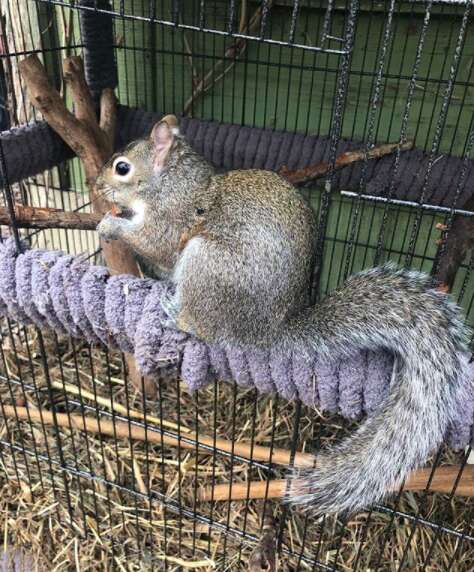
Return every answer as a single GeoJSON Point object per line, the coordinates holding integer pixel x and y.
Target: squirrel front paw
{"type": "Point", "coordinates": [110, 227]}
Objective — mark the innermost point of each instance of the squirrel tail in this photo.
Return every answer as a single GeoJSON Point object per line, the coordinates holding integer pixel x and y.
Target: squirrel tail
{"type": "Point", "coordinates": [400, 311]}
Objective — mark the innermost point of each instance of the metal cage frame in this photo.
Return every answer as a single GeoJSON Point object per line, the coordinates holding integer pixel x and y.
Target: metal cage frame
{"type": "Point", "coordinates": [43, 370]}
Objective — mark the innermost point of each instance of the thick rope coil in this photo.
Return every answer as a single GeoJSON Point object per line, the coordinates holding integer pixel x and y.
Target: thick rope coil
{"type": "Point", "coordinates": [59, 291]}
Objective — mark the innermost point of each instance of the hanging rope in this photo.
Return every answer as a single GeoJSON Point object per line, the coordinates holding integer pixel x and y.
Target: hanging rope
{"type": "Point", "coordinates": [55, 290]}
{"type": "Point", "coordinates": [97, 35]}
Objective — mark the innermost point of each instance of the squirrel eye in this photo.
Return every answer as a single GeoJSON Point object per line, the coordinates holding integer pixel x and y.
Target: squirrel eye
{"type": "Point", "coordinates": [122, 168]}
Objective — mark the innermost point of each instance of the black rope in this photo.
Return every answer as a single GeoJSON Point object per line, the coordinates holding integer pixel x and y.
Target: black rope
{"type": "Point", "coordinates": [98, 39]}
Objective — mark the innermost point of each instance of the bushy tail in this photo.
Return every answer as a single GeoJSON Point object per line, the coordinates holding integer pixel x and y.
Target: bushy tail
{"type": "Point", "coordinates": [400, 311]}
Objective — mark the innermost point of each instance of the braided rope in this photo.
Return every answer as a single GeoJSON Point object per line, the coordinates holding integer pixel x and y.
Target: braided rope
{"type": "Point", "coordinates": [54, 290]}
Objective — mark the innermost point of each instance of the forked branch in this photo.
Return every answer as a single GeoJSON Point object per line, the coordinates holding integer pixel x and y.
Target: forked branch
{"type": "Point", "coordinates": [92, 142]}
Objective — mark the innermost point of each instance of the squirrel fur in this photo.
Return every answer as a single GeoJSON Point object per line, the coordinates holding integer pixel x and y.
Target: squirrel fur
{"type": "Point", "coordinates": [240, 249]}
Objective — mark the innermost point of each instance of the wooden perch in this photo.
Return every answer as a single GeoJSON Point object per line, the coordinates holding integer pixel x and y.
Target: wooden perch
{"type": "Point", "coordinates": [38, 217]}
{"type": "Point", "coordinates": [123, 430]}
{"type": "Point", "coordinates": [442, 482]}
{"type": "Point", "coordinates": [307, 174]}
{"type": "Point", "coordinates": [93, 143]}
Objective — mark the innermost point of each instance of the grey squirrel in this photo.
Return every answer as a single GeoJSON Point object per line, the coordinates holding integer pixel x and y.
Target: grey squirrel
{"type": "Point", "coordinates": [239, 248]}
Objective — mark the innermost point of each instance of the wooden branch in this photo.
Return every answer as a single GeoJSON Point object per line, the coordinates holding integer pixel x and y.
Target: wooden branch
{"type": "Point", "coordinates": [307, 174]}
{"type": "Point", "coordinates": [149, 386]}
{"type": "Point", "coordinates": [81, 132]}
{"type": "Point", "coordinates": [84, 108]}
{"type": "Point", "coordinates": [108, 115]}
{"type": "Point", "coordinates": [39, 217]}
{"type": "Point", "coordinates": [457, 246]}
{"type": "Point", "coordinates": [189, 52]}
{"type": "Point", "coordinates": [90, 143]}
{"type": "Point", "coordinates": [123, 430]}
{"type": "Point", "coordinates": [49, 103]}
{"type": "Point", "coordinates": [442, 482]}
{"type": "Point", "coordinates": [234, 51]}
{"type": "Point", "coordinates": [263, 556]}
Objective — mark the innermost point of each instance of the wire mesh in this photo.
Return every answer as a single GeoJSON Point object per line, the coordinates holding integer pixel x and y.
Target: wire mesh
{"type": "Point", "coordinates": [367, 71]}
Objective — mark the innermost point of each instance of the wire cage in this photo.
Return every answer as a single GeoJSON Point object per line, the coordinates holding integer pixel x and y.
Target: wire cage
{"type": "Point", "coordinates": [97, 475]}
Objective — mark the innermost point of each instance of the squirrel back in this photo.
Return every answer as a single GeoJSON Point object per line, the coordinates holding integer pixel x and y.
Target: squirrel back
{"type": "Point", "coordinates": [240, 250]}
{"type": "Point", "coordinates": [256, 244]}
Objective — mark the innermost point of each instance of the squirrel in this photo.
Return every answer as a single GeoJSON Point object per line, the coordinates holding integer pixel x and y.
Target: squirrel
{"type": "Point", "coordinates": [240, 249]}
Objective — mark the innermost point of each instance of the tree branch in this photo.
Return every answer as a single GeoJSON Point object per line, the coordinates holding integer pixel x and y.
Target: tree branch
{"type": "Point", "coordinates": [83, 134]}
{"type": "Point", "coordinates": [454, 247]}
{"type": "Point", "coordinates": [38, 217]}
{"type": "Point", "coordinates": [108, 116]}
{"type": "Point", "coordinates": [48, 102]}
{"type": "Point", "coordinates": [91, 144]}
{"type": "Point", "coordinates": [307, 174]}
{"type": "Point", "coordinates": [84, 108]}
{"type": "Point", "coordinates": [263, 556]}
{"type": "Point", "coordinates": [234, 52]}
{"type": "Point", "coordinates": [28, 218]}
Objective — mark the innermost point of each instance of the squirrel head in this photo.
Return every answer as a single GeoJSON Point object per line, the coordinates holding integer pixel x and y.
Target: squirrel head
{"type": "Point", "coordinates": [156, 185]}
{"type": "Point", "coordinates": [152, 174]}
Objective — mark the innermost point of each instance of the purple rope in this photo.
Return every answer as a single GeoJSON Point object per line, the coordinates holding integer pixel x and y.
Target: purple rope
{"type": "Point", "coordinates": [55, 290]}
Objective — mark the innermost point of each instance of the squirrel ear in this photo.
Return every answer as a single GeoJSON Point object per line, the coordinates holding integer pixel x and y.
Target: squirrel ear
{"type": "Point", "coordinates": [171, 120]}
{"type": "Point", "coordinates": [162, 137]}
